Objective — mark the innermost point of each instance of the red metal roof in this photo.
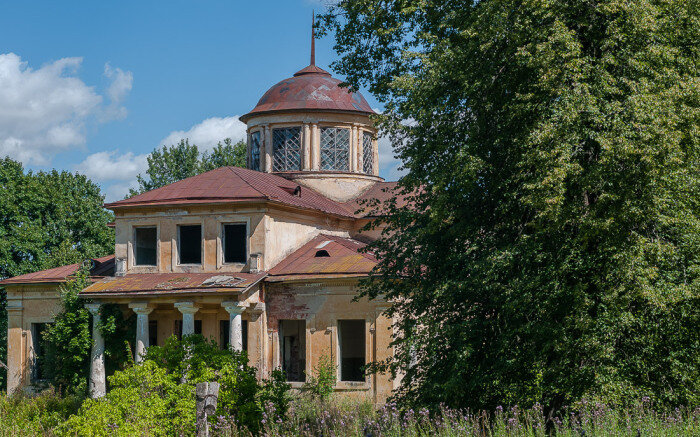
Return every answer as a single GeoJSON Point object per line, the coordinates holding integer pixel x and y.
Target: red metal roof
{"type": "Point", "coordinates": [234, 184]}
{"type": "Point", "coordinates": [310, 89]}
{"type": "Point", "coordinates": [175, 282]}
{"type": "Point", "coordinates": [102, 267]}
{"type": "Point", "coordinates": [343, 258]}
{"type": "Point", "coordinates": [371, 203]}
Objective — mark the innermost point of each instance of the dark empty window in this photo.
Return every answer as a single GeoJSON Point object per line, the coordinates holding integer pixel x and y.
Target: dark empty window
{"type": "Point", "coordinates": [224, 333]}
{"type": "Point", "coordinates": [351, 339]}
{"type": "Point", "coordinates": [145, 243]}
{"type": "Point", "coordinates": [322, 253]}
{"type": "Point", "coordinates": [38, 330]}
{"type": "Point", "coordinates": [292, 336]}
{"type": "Point", "coordinates": [153, 333]}
{"type": "Point", "coordinates": [190, 244]}
{"type": "Point", "coordinates": [235, 237]}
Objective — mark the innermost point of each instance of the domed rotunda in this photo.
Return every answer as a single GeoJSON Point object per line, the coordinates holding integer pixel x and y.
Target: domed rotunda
{"type": "Point", "coordinates": [309, 129]}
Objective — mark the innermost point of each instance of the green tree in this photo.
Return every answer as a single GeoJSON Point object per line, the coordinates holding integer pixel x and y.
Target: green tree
{"type": "Point", "coordinates": [47, 219]}
{"type": "Point", "coordinates": [176, 162]}
{"type": "Point", "coordinates": [553, 251]}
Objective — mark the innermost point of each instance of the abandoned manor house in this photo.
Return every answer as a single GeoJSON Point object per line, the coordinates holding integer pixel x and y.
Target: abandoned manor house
{"type": "Point", "coordinates": [265, 259]}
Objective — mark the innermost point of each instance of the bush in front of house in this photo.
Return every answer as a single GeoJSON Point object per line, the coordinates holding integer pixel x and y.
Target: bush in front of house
{"type": "Point", "coordinates": [157, 397]}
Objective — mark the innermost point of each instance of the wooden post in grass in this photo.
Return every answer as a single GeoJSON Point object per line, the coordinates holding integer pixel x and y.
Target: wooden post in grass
{"type": "Point", "coordinates": [207, 395]}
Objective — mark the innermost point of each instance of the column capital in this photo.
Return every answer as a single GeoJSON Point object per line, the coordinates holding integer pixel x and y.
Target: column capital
{"type": "Point", "coordinates": [141, 308]}
{"type": "Point", "coordinates": [256, 310]}
{"type": "Point", "coordinates": [233, 308]}
{"type": "Point", "coordinates": [94, 308]}
{"type": "Point", "coordinates": [187, 307]}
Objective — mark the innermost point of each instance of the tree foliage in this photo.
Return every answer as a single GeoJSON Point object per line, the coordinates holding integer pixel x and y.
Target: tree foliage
{"type": "Point", "coordinates": [553, 250]}
{"type": "Point", "coordinates": [176, 162]}
{"type": "Point", "coordinates": [68, 340]}
{"type": "Point", "coordinates": [157, 397]}
{"type": "Point", "coordinates": [47, 219]}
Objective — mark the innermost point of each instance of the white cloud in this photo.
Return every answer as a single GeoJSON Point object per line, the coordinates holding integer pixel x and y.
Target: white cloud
{"type": "Point", "coordinates": [44, 111]}
{"type": "Point", "coordinates": [389, 165]}
{"type": "Point", "coordinates": [112, 166]}
{"type": "Point", "coordinates": [115, 171]}
{"type": "Point", "coordinates": [209, 132]}
{"type": "Point", "coordinates": [117, 90]}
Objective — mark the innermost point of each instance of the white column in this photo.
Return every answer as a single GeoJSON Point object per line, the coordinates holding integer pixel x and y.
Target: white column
{"type": "Point", "coordinates": [306, 149]}
{"type": "Point", "coordinates": [188, 310]}
{"type": "Point", "coordinates": [235, 334]}
{"type": "Point", "coordinates": [353, 149]}
{"type": "Point", "coordinates": [315, 147]}
{"type": "Point", "coordinates": [98, 383]}
{"type": "Point", "coordinates": [142, 311]}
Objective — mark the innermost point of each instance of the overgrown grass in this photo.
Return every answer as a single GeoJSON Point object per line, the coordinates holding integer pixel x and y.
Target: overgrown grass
{"type": "Point", "coordinates": [38, 416]}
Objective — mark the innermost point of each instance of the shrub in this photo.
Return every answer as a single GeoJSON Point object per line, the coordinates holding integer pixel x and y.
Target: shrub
{"type": "Point", "coordinates": [158, 396]}
{"type": "Point", "coordinates": [321, 384]}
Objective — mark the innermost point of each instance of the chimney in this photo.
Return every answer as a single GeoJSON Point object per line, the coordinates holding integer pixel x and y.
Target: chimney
{"type": "Point", "coordinates": [120, 267]}
{"type": "Point", "coordinates": [255, 261]}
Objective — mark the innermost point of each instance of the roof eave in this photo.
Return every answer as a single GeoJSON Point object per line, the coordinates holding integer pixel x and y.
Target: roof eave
{"type": "Point", "coordinates": [245, 117]}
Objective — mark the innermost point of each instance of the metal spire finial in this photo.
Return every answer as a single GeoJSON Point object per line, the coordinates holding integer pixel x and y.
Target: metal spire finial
{"type": "Point", "coordinates": [313, 39]}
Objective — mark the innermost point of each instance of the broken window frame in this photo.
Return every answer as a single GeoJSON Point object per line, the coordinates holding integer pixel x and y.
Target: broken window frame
{"type": "Point", "coordinates": [223, 243]}
{"type": "Point", "coordinates": [179, 244]}
{"type": "Point", "coordinates": [136, 246]}
{"type": "Point", "coordinates": [342, 378]}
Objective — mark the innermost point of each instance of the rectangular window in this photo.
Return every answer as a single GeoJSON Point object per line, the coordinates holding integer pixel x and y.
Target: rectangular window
{"type": "Point", "coordinates": [153, 333]}
{"type": "Point", "coordinates": [292, 337]}
{"type": "Point", "coordinates": [351, 341]}
{"type": "Point", "coordinates": [335, 149]}
{"type": "Point", "coordinates": [190, 244]}
{"type": "Point", "coordinates": [38, 330]}
{"type": "Point", "coordinates": [235, 242]}
{"type": "Point", "coordinates": [224, 334]}
{"type": "Point", "coordinates": [367, 153]}
{"type": "Point", "coordinates": [145, 245]}
{"type": "Point", "coordinates": [255, 151]}
{"type": "Point", "coordinates": [286, 149]}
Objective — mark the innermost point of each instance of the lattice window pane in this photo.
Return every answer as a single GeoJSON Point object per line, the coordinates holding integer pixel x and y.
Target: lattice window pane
{"type": "Point", "coordinates": [286, 149]}
{"type": "Point", "coordinates": [367, 153]}
{"type": "Point", "coordinates": [335, 149]}
{"type": "Point", "coordinates": [255, 151]}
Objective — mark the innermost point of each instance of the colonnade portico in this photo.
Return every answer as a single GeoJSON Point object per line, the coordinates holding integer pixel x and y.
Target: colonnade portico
{"type": "Point", "coordinates": [143, 310]}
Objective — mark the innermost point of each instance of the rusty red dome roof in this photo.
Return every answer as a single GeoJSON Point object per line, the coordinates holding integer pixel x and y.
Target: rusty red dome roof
{"type": "Point", "coordinates": [310, 89]}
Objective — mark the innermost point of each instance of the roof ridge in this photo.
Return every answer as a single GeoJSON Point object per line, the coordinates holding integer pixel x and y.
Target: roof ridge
{"type": "Point", "coordinates": [232, 167]}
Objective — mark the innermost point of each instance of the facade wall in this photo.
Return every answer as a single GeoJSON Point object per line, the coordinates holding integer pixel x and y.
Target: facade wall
{"type": "Point", "coordinates": [27, 305]}
{"type": "Point", "coordinates": [321, 305]}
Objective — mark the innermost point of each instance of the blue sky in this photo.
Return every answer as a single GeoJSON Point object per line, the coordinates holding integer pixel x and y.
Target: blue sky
{"type": "Point", "coordinates": [95, 86]}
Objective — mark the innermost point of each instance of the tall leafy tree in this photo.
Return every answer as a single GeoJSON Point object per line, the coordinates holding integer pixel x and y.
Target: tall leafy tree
{"type": "Point", "coordinates": [47, 219]}
{"type": "Point", "coordinates": [176, 162]}
{"type": "Point", "coordinates": [553, 251]}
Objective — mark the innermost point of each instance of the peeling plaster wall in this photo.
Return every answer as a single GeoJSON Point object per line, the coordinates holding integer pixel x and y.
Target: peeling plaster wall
{"type": "Point", "coordinates": [321, 305]}
{"type": "Point", "coordinates": [27, 304]}
{"type": "Point", "coordinates": [286, 232]}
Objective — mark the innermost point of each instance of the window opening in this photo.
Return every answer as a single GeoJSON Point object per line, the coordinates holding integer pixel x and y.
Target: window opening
{"type": "Point", "coordinates": [190, 244]}
{"type": "Point", "coordinates": [335, 149]}
{"type": "Point", "coordinates": [286, 149]}
{"type": "Point", "coordinates": [235, 241]}
{"type": "Point", "coordinates": [292, 337]}
{"type": "Point", "coordinates": [367, 153]}
{"type": "Point", "coordinates": [146, 245]}
{"type": "Point", "coordinates": [38, 330]}
{"type": "Point", "coordinates": [255, 151]}
{"type": "Point", "coordinates": [152, 333]}
{"type": "Point", "coordinates": [351, 341]}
